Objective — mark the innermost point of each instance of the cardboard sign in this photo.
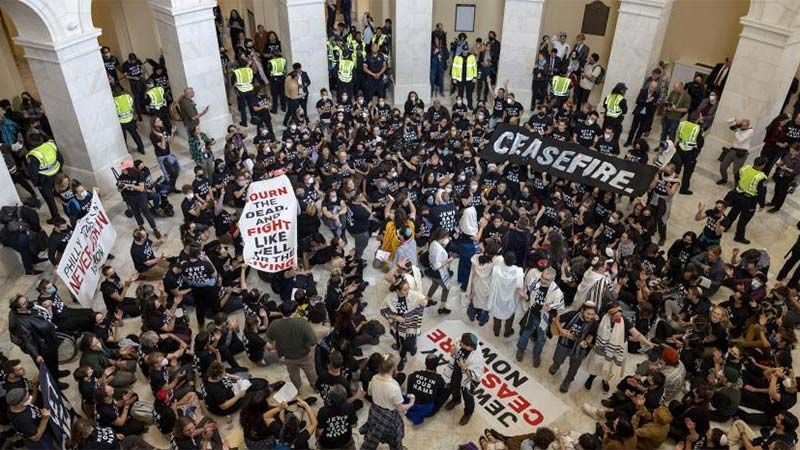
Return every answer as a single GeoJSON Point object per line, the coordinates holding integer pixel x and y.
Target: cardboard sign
{"type": "Point", "coordinates": [508, 397]}
{"type": "Point", "coordinates": [86, 253]}
{"type": "Point", "coordinates": [269, 225]}
{"type": "Point", "coordinates": [567, 160]}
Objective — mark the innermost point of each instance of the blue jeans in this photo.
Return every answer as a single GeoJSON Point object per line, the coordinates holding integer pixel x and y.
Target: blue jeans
{"type": "Point", "coordinates": [668, 128]}
{"type": "Point", "coordinates": [481, 314]}
{"type": "Point", "coordinates": [525, 337]}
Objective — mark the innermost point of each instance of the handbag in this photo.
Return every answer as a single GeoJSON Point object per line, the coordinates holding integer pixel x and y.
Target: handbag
{"type": "Point", "coordinates": [722, 154]}
{"type": "Point", "coordinates": [143, 412]}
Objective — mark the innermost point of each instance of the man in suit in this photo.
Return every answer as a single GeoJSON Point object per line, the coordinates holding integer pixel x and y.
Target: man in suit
{"type": "Point", "coordinates": [718, 77]}
{"type": "Point", "coordinates": [581, 48]}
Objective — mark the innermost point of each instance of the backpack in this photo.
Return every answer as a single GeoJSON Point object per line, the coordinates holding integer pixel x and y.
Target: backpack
{"type": "Point", "coordinates": [11, 219]}
{"type": "Point", "coordinates": [602, 77]}
{"type": "Point", "coordinates": [175, 110]}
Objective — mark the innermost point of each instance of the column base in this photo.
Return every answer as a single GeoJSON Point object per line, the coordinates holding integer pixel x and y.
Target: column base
{"type": "Point", "coordinates": [101, 177]}
{"type": "Point", "coordinates": [10, 263]}
{"type": "Point", "coordinates": [215, 127]}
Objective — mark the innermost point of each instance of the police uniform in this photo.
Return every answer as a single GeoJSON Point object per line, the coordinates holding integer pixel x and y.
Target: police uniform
{"type": "Point", "coordinates": [44, 163]}
{"type": "Point", "coordinates": [345, 75]}
{"type": "Point", "coordinates": [375, 63]}
{"type": "Point", "coordinates": [463, 74]}
{"type": "Point", "coordinates": [242, 80]}
{"type": "Point", "coordinates": [156, 101]}
{"type": "Point", "coordinates": [615, 109]}
{"type": "Point", "coordinates": [751, 190]}
{"type": "Point", "coordinates": [123, 102]}
{"type": "Point", "coordinates": [559, 88]}
{"type": "Point", "coordinates": [276, 72]}
{"type": "Point", "coordinates": [690, 141]}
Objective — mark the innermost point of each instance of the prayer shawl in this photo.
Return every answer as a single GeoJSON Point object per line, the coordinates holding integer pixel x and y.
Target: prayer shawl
{"type": "Point", "coordinates": [608, 356]}
{"type": "Point", "coordinates": [503, 291]}
{"type": "Point", "coordinates": [472, 374]}
{"type": "Point", "coordinates": [479, 286]}
{"type": "Point", "coordinates": [412, 316]}
{"type": "Point", "coordinates": [553, 298]}
{"type": "Point", "coordinates": [594, 287]}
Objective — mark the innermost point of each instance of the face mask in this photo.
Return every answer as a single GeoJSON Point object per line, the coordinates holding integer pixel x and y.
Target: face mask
{"type": "Point", "coordinates": [480, 116]}
{"type": "Point", "coordinates": [242, 183]}
{"type": "Point", "coordinates": [80, 194]}
{"type": "Point", "coordinates": [190, 195]}
{"type": "Point", "coordinates": [448, 189]}
{"type": "Point", "coordinates": [712, 99]}
{"type": "Point", "coordinates": [589, 121]}
{"type": "Point", "coordinates": [309, 181]}
{"type": "Point", "coordinates": [52, 290]}
{"type": "Point", "coordinates": [473, 188]}
{"type": "Point", "coordinates": [510, 101]}
{"type": "Point", "coordinates": [333, 199]}
{"type": "Point", "coordinates": [392, 174]}
{"type": "Point", "coordinates": [607, 136]}
{"type": "Point", "coordinates": [289, 145]}
{"type": "Point", "coordinates": [445, 152]}
{"type": "Point", "coordinates": [429, 202]}
{"type": "Point", "coordinates": [462, 177]}
{"type": "Point", "coordinates": [541, 113]}
{"type": "Point", "coordinates": [344, 97]}
{"type": "Point", "coordinates": [755, 284]}
{"type": "Point", "coordinates": [612, 220]}
{"type": "Point", "coordinates": [787, 383]}
{"type": "Point", "coordinates": [293, 127]}
{"type": "Point", "coordinates": [264, 132]}
{"type": "Point", "coordinates": [413, 98]}
{"type": "Point", "coordinates": [164, 362]}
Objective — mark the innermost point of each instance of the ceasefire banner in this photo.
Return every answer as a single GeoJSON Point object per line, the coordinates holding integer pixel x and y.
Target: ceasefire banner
{"type": "Point", "coordinates": [567, 160]}
{"type": "Point", "coordinates": [509, 398]}
{"type": "Point", "coordinates": [86, 252]}
{"type": "Point", "coordinates": [268, 225]}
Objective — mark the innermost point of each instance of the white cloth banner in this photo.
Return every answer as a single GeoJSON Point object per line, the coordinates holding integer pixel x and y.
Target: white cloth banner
{"type": "Point", "coordinates": [86, 253]}
{"type": "Point", "coordinates": [268, 225]}
{"type": "Point", "coordinates": [508, 397]}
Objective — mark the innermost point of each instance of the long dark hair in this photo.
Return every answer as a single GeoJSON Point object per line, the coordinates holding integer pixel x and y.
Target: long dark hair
{"type": "Point", "coordinates": [255, 405]}
{"type": "Point", "coordinates": [777, 121]}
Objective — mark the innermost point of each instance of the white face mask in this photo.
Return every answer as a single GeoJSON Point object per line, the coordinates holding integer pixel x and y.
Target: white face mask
{"type": "Point", "coordinates": [787, 383]}
{"type": "Point", "coordinates": [293, 127]}
{"type": "Point", "coordinates": [445, 241]}
{"type": "Point", "coordinates": [608, 136]}
{"type": "Point", "coordinates": [589, 121]}
{"type": "Point", "coordinates": [190, 195]}
{"type": "Point", "coordinates": [164, 362]}
{"type": "Point", "coordinates": [325, 97]}
{"type": "Point", "coordinates": [473, 188]}
{"type": "Point", "coordinates": [712, 99]}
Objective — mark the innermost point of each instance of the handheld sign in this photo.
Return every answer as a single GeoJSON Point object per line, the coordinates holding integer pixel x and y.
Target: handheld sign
{"type": "Point", "coordinates": [567, 160]}
{"type": "Point", "coordinates": [269, 225]}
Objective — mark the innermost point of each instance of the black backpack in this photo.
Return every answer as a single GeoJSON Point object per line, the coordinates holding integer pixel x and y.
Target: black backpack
{"type": "Point", "coordinates": [600, 78]}
{"type": "Point", "coordinates": [11, 220]}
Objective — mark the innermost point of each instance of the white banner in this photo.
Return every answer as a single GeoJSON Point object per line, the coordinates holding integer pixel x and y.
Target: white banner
{"type": "Point", "coordinates": [508, 397]}
{"type": "Point", "coordinates": [86, 253]}
{"type": "Point", "coordinates": [268, 225]}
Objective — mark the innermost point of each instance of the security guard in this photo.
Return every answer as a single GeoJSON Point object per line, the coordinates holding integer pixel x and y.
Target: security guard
{"type": "Point", "coordinates": [334, 54]}
{"type": "Point", "coordinates": [690, 142]}
{"type": "Point", "coordinates": [124, 105]}
{"type": "Point", "coordinates": [242, 80]}
{"type": "Point", "coordinates": [615, 109]}
{"type": "Point", "coordinates": [464, 72]}
{"type": "Point", "coordinates": [347, 64]}
{"type": "Point", "coordinates": [156, 100]}
{"type": "Point", "coordinates": [277, 78]}
{"type": "Point", "coordinates": [751, 190]}
{"type": "Point", "coordinates": [359, 49]}
{"type": "Point", "coordinates": [44, 163]}
{"type": "Point", "coordinates": [380, 39]}
{"type": "Point", "coordinates": [559, 88]}
{"type": "Point", "coordinates": [374, 67]}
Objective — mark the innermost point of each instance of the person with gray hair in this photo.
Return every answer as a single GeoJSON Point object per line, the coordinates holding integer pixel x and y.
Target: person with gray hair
{"type": "Point", "coordinates": [737, 153]}
{"type": "Point", "coordinates": [544, 301]}
{"type": "Point", "coordinates": [29, 421]}
{"type": "Point", "coordinates": [336, 420]}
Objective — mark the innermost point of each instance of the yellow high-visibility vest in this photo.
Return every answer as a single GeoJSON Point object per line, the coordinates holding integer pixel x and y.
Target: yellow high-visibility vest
{"type": "Point", "coordinates": [346, 67]}
{"type": "Point", "coordinates": [456, 71]}
{"type": "Point", "coordinates": [277, 66]}
{"type": "Point", "coordinates": [157, 98]}
{"type": "Point", "coordinates": [560, 85]}
{"type": "Point", "coordinates": [688, 133]}
{"type": "Point", "coordinates": [244, 79]}
{"type": "Point", "coordinates": [124, 105]}
{"type": "Point", "coordinates": [749, 177]}
{"type": "Point", "coordinates": [47, 155]}
{"type": "Point", "coordinates": [612, 105]}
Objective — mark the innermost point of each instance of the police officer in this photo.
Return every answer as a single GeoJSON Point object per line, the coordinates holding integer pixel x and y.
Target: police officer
{"type": "Point", "coordinates": [615, 108]}
{"type": "Point", "coordinates": [379, 39]}
{"type": "Point", "coordinates": [334, 55]}
{"type": "Point", "coordinates": [277, 78]}
{"type": "Point", "coordinates": [751, 190]}
{"type": "Point", "coordinates": [464, 72]}
{"type": "Point", "coordinates": [359, 49]}
{"type": "Point", "coordinates": [124, 104]}
{"type": "Point", "coordinates": [559, 88]}
{"type": "Point", "coordinates": [374, 67]}
{"type": "Point", "coordinates": [242, 79]}
{"type": "Point", "coordinates": [156, 101]}
{"type": "Point", "coordinates": [690, 142]}
{"type": "Point", "coordinates": [44, 163]}
{"type": "Point", "coordinates": [347, 64]}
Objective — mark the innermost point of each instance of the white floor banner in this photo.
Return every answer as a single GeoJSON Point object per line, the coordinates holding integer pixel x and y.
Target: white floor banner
{"type": "Point", "coordinates": [86, 252]}
{"type": "Point", "coordinates": [508, 397]}
{"type": "Point", "coordinates": [268, 225]}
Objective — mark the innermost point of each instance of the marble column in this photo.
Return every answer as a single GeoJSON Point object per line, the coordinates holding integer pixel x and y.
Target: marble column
{"type": "Point", "coordinates": [74, 89]}
{"type": "Point", "coordinates": [189, 44]}
{"type": "Point", "coordinates": [638, 38]}
{"type": "Point", "coordinates": [412, 48]}
{"type": "Point", "coordinates": [303, 21]}
{"type": "Point", "coordinates": [10, 262]}
{"type": "Point", "coordinates": [765, 62]}
{"type": "Point", "coordinates": [522, 24]}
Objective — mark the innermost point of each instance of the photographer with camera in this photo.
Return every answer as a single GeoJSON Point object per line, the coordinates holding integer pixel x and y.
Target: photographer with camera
{"type": "Point", "coordinates": [736, 154]}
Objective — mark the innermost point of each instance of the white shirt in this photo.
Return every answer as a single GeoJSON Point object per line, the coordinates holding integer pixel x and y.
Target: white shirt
{"type": "Point", "coordinates": [589, 69]}
{"type": "Point", "coordinates": [742, 137]}
{"type": "Point", "coordinates": [385, 391]}
{"type": "Point", "coordinates": [561, 49]}
{"type": "Point", "coordinates": [469, 221]}
{"type": "Point", "coordinates": [438, 259]}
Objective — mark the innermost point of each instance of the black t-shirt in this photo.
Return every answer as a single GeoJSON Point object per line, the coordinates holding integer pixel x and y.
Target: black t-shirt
{"type": "Point", "coordinates": [575, 328]}
{"type": "Point", "coordinates": [106, 414]}
{"type": "Point", "coordinates": [132, 69]}
{"type": "Point", "coordinates": [792, 131]}
{"type": "Point", "coordinates": [425, 385]}
{"type": "Point", "coordinates": [607, 147]}
{"type": "Point", "coordinates": [199, 273]}
{"type": "Point", "coordinates": [586, 134]}
{"type": "Point", "coordinates": [26, 422]}
{"type": "Point", "coordinates": [295, 443]}
{"type": "Point", "coordinates": [540, 124]}
{"type": "Point", "coordinates": [102, 438]}
{"type": "Point", "coordinates": [155, 139]}
{"type": "Point", "coordinates": [140, 253]}
{"type": "Point", "coordinates": [336, 424]}
{"type": "Point", "coordinates": [498, 108]}
{"type": "Point", "coordinates": [326, 380]}
{"type": "Point", "coordinates": [357, 219]}
{"type": "Point", "coordinates": [126, 179]}
{"type": "Point", "coordinates": [513, 110]}
{"type": "Point", "coordinates": [218, 393]}
{"type": "Point", "coordinates": [111, 65]}
{"type": "Point", "coordinates": [109, 288]}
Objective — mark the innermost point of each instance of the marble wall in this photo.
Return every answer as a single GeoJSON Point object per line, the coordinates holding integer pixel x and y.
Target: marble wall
{"type": "Point", "coordinates": [522, 24]}
{"type": "Point", "coordinates": [412, 27]}
{"type": "Point", "coordinates": [305, 22]}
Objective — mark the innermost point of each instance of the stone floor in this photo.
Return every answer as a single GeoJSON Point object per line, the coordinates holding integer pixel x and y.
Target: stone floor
{"type": "Point", "coordinates": [774, 232]}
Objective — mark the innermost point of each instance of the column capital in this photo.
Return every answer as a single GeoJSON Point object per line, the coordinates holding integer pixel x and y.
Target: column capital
{"type": "Point", "coordinates": [170, 13]}
{"type": "Point", "coordinates": [290, 3]}
{"type": "Point", "coordinates": [768, 33]}
{"type": "Point", "coordinates": [62, 51]}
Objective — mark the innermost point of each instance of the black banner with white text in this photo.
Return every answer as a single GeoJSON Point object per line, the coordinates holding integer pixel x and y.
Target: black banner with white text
{"type": "Point", "coordinates": [567, 160]}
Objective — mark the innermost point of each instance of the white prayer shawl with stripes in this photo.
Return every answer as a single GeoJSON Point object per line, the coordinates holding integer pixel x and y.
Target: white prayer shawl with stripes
{"type": "Point", "coordinates": [607, 359]}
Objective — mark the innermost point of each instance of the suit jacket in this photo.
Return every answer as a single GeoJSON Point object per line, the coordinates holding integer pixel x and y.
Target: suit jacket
{"type": "Point", "coordinates": [552, 65]}
{"type": "Point", "coordinates": [713, 76]}
{"type": "Point", "coordinates": [583, 52]}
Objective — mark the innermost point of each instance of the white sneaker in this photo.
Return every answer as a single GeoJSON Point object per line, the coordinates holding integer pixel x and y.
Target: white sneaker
{"type": "Point", "coordinates": [590, 410]}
